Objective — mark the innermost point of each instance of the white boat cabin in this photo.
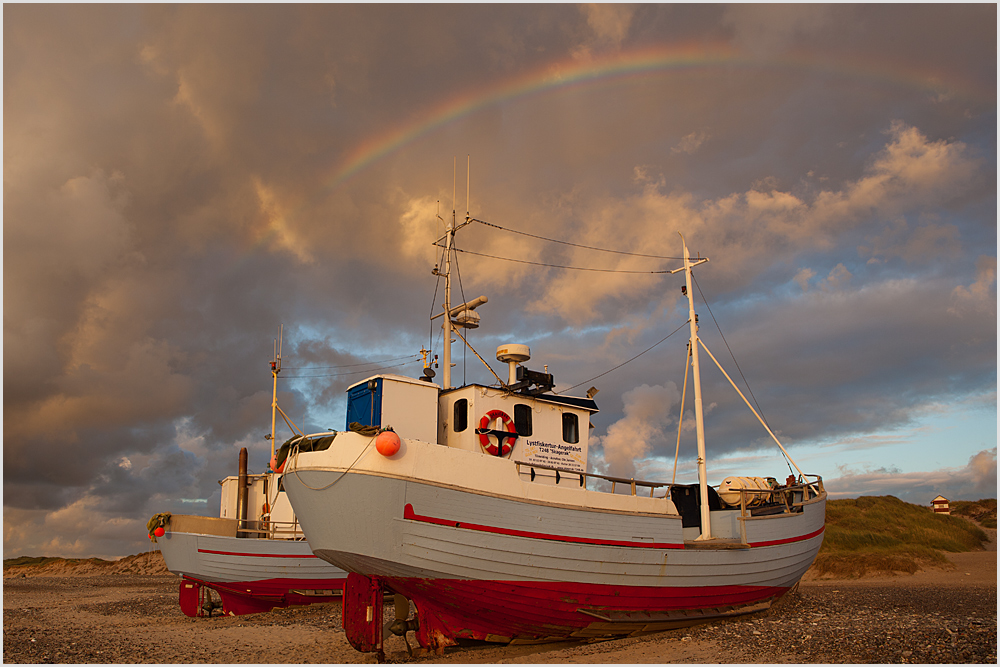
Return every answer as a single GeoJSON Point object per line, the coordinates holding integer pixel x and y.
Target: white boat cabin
{"type": "Point", "coordinates": [269, 514]}
{"type": "Point", "coordinates": [542, 431]}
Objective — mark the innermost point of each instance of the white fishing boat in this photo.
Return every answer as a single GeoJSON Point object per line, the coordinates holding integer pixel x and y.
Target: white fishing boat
{"type": "Point", "coordinates": [254, 556]}
{"type": "Point", "coordinates": [479, 509]}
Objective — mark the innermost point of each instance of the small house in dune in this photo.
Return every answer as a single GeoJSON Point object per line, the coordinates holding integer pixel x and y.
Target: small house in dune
{"type": "Point", "coordinates": [940, 505]}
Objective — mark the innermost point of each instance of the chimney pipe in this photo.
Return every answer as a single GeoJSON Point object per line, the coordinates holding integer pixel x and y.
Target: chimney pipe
{"type": "Point", "coordinates": [243, 493]}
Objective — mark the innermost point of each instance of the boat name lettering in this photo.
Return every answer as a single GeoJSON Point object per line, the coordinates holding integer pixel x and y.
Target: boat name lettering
{"type": "Point", "coordinates": [545, 446]}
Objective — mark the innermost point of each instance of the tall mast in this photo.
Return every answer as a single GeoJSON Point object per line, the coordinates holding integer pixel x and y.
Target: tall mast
{"type": "Point", "coordinates": [699, 415]}
{"type": "Point", "coordinates": [449, 237]}
{"type": "Point", "coordinates": [275, 369]}
{"type": "Point", "coordinates": [446, 353]}
{"type": "Point", "coordinates": [449, 240]}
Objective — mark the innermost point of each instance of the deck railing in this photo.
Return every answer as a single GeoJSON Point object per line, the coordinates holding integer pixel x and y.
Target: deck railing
{"type": "Point", "coordinates": [584, 476]}
{"type": "Point", "coordinates": [808, 489]}
{"type": "Point", "coordinates": [271, 530]}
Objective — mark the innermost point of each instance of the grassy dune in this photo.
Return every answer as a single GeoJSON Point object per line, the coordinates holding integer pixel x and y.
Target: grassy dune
{"type": "Point", "coordinates": [148, 563]}
{"type": "Point", "coordinates": [983, 511]}
{"type": "Point", "coordinates": [878, 535]}
{"type": "Point", "coordinates": [24, 561]}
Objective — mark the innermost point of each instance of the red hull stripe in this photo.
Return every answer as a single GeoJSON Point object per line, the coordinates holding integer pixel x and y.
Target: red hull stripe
{"type": "Point", "coordinates": [408, 513]}
{"type": "Point", "coordinates": [236, 553]}
{"type": "Point", "coordinates": [788, 540]}
{"type": "Point", "coordinates": [274, 586]}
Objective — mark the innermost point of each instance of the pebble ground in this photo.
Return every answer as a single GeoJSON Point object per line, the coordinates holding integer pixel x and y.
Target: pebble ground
{"type": "Point", "coordinates": [866, 624]}
{"type": "Point", "coordinates": [71, 620]}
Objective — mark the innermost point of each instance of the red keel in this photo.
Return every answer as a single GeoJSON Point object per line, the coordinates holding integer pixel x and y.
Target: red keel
{"type": "Point", "coordinates": [254, 597]}
{"type": "Point", "coordinates": [362, 612]}
{"type": "Point", "coordinates": [454, 609]}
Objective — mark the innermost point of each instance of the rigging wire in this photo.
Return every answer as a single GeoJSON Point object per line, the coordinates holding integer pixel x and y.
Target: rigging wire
{"type": "Point", "coordinates": [624, 362]}
{"type": "Point", "coordinates": [759, 410]}
{"type": "Point", "coordinates": [575, 245]}
{"type": "Point", "coordinates": [461, 290]}
{"type": "Point", "coordinates": [728, 348]}
{"type": "Point", "coordinates": [370, 370]}
{"type": "Point", "coordinates": [437, 284]}
{"type": "Point", "coordinates": [326, 368]}
{"type": "Point", "coordinates": [554, 266]}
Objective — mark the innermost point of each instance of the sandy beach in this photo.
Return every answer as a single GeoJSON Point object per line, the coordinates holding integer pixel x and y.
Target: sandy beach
{"type": "Point", "coordinates": [933, 616]}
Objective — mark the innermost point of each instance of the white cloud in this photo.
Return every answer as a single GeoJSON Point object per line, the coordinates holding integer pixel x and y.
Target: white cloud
{"type": "Point", "coordinates": [610, 22]}
{"type": "Point", "coordinates": [754, 228]}
{"type": "Point", "coordinates": [983, 471]}
{"type": "Point", "coordinates": [276, 227]}
{"type": "Point", "coordinates": [420, 226]}
{"type": "Point", "coordinates": [977, 479]}
{"type": "Point", "coordinates": [85, 528]}
{"type": "Point", "coordinates": [630, 439]}
{"type": "Point", "coordinates": [838, 279]}
{"type": "Point", "coordinates": [981, 294]}
{"type": "Point", "coordinates": [690, 143]}
{"type": "Point", "coordinates": [803, 277]}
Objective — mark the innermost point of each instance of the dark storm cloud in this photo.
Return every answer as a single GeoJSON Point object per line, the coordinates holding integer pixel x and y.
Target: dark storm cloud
{"type": "Point", "coordinates": [173, 193]}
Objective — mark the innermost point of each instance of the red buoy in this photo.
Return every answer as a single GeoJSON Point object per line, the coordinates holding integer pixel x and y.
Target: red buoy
{"type": "Point", "coordinates": [387, 443]}
{"type": "Point", "coordinates": [159, 532]}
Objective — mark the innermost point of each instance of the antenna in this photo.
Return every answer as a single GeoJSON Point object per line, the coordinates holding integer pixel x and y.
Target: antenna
{"type": "Point", "coordinates": [468, 164]}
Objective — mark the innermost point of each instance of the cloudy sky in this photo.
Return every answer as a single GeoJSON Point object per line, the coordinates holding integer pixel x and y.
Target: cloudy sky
{"type": "Point", "coordinates": [180, 181]}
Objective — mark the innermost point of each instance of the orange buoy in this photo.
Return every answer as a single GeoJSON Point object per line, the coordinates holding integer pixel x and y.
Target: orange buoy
{"type": "Point", "coordinates": [159, 532]}
{"type": "Point", "coordinates": [387, 443]}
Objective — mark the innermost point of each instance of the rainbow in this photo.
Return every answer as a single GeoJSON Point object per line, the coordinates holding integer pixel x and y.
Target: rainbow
{"type": "Point", "coordinates": [570, 73]}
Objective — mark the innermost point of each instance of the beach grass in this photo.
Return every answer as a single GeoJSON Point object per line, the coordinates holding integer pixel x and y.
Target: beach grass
{"type": "Point", "coordinates": [24, 561]}
{"type": "Point", "coordinates": [984, 511]}
{"type": "Point", "coordinates": [883, 534]}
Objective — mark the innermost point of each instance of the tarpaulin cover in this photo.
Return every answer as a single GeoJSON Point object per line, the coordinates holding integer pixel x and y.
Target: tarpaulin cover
{"type": "Point", "coordinates": [305, 445]}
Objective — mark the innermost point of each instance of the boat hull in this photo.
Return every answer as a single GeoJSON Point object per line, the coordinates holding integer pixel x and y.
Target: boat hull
{"type": "Point", "coordinates": [496, 563]}
{"type": "Point", "coordinates": [250, 575]}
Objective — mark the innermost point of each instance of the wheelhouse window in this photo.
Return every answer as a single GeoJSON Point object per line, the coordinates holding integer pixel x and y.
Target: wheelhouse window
{"type": "Point", "coordinates": [461, 420]}
{"type": "Point", "coordinates": [522, 418]}
{"type": "Point", "coordinates": [571, 428]}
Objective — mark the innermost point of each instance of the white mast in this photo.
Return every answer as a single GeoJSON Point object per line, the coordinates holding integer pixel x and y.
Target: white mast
{"type": "Point", "coordinates": [699, 415]}
{"type": "Point", "coordinates": [446, 353]}
{"type": "Point", "coordinates": [275, 369]}
{"type": "Point", "coordinates": [449, 240]}
{"type": "Point", "coordinates": [467, 318]}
